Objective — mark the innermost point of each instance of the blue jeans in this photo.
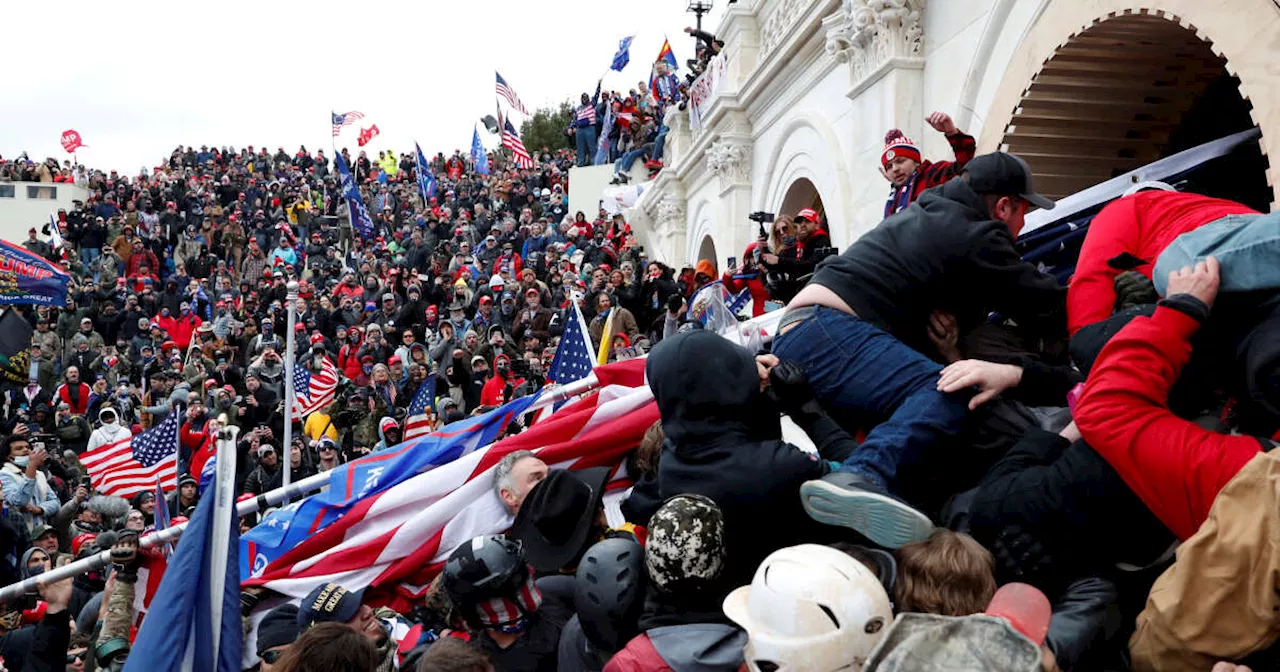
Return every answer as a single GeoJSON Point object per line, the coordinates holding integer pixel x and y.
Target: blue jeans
{"type": "Point", "coordinates": [856, 368]}
{"type": "Point", "coordinates": [1246, 247]}
{"type": "Point", "coordinates": [88, 255]}
{"type": "Point", "coordinates": [586, 136]}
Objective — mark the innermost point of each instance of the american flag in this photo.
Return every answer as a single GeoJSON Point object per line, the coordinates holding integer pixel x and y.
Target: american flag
{"type": "Point", "coordinates": [132, 464]}
{"type": "Point", "coordinates": [314, 391]}
{"type": "Point", "coordinates": [511, 140]}
{"type": "Point", "coordinates": [574, 360]}
{"type": "Point", "coordinates": [396, 540]}
{"type": "Point", "coordinates": [340, 120]}
{"type": "Point", "coordinates": [509, 94]}
{"type": "Point", "coordinates": [421, 410]}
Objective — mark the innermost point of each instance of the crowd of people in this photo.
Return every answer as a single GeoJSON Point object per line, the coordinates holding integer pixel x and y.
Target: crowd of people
{"type": "Point", "coordinates": [976, 426]}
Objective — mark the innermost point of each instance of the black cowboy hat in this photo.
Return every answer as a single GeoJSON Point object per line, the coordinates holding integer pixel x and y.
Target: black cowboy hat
{"type": "Point", "coordinates": [557, 516]}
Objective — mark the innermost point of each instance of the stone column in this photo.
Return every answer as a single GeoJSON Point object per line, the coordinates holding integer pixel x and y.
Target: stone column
{"type": "Point", "coordinates": [729, 158]}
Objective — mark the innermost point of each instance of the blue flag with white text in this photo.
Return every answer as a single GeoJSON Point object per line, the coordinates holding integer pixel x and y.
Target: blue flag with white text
{"type": "Point", "coordinates": [360, 219]}
{"type": "Point", "coordinates": [426, 180]}
{"type": "Point", "coordinates": [285, 528]}
{"type": "Point", "coordinates": [623, 57]}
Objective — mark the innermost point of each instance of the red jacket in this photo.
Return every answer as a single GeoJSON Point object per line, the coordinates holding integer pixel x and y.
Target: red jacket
{"type": "Point", "coordinates": [931, 174]}
{"type": "Point", "coordinates": [180, 328]}
{"type": "Point", "coordinates": [637, 656]}
{"type": "Point", "coordinates": [138, 258]}
{"type": "Point", "coordinates": [1174, 466]}
{"type": "Point", "coordinates": [759, 293]}
{"type": "Point", "coordinates": [80, 404]}
{"type": "Point", "coordinates": [1142, 225]}
{"type": "Point", "coordinates": [491, 394]}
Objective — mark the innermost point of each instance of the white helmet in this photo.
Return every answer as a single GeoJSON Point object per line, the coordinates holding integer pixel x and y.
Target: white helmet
{"type": "Point", "coordinates": [810, 608]}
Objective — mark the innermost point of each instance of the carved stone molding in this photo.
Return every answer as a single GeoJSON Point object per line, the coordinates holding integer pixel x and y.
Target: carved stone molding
{"type": "Point", "coordinates": [779, 23]}
{"type": "Point", "coordinates": [730, 161]}
{"type": "Point", "coordinates": [868, 34]}
{"type": "Point", "coordinates": [671, 212]}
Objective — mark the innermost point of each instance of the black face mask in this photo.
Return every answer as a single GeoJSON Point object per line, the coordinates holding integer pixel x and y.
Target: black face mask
{"type": "Point", "coordinates": [454, 416]}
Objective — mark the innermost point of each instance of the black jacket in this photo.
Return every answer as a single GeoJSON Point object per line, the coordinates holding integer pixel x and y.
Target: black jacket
{"type": "Point", "coordinates": [724, 441]}
{"type": "Point", "coordinates": [944, 251]}
{"type": "Point", "coordinates": [1054, 511]}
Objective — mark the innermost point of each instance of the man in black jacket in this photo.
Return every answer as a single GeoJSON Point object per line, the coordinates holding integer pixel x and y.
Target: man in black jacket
{"type": "Point", "coordinates": [724, 442]}
{"type": "Point", "coordinates": [952, 249]}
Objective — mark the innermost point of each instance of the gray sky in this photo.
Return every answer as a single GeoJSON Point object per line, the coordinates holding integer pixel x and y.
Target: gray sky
{"type": "Point", "coordinates": [138, 77]}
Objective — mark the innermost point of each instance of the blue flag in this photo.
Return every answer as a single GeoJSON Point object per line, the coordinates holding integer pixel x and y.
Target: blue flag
{"type": "Point", "coordinates": [426, 181]}
{"type": "Point", "coordinates": [194, 621]}
{"type": "Point", "coordinates": [477, 154]}
{"type": "Point", "coordinates": [30, 279]}
{"type": "Point", "coordinates": [285, 528]}
{"type": "Point", "coordinates": [623, 57]}
{"type": "Point", "coordinates": [360, 219]}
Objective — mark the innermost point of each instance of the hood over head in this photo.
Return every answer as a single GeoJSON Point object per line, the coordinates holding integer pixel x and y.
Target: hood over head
{"type": "Point", "coordinates": [707, 386]}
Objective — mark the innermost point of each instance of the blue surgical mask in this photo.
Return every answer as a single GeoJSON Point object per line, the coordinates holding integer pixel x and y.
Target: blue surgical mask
{"type": "Point", "coordinates": [22, 461]}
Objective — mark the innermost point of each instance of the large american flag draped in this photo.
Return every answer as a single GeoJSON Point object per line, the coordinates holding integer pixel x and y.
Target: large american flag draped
{"type": "Point", "coordinates": [574, 360]}
{"type": "Point", "coordinates": [314, 391]}
{"type": "Point", "coordinates": [509, 94]}
{"type": "Point", "coordinates": [396, 540]}
{"type": "Point", "coordinates": [132, 464]}
{"type": "Point", "coordinates": [340, 120]}
{"type": "Point", "coordinates": [511, 140]}
{"type": "Point", "coordinates": [420, 420]}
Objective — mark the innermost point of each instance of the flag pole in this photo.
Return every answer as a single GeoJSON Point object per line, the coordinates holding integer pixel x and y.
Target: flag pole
{"type": "Point", "coordinates": [259, 503]}
{"type": "Point", "coordinates": [181, 408]}
{"type": "Point", "coordinates": [220, 545]}
{"type": "Point", "coordinates": [290, 393]}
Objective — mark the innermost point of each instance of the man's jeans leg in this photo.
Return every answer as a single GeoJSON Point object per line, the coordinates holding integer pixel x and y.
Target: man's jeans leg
{"type": "Point", "coordinates": [855, 367]}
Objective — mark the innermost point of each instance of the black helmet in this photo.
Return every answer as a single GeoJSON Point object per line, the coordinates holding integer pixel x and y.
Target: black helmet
{"type": "Point", "coordinates": [609, 592]}
{"type": "Point", "coordinates": [481, 569]}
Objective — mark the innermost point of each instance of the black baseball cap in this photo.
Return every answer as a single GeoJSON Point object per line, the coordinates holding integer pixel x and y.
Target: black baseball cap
{"type": "Point", "coordinates": [1002, 173]}
{"type": "Point", "coordinates": [328, 602]}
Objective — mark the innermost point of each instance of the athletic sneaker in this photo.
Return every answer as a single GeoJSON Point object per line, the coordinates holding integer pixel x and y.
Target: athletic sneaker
{"type": "Point", "coordinates": [854, 501]}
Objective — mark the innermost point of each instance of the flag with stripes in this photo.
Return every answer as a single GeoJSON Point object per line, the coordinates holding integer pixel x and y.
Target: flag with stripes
{"type": "Point", "coordinates": [511, 140]}
{"type": "Point", "coordinates": [394, 542]}
{"type": "Point", "coordinates": [313, 391]}
{"type": "Point", "coordinates": [282, 531]}
{"type": "Point", "coordinates": [340, 120]}
{"type": "Point", "coordinates": [132, 464]}
{"type": "Point", "coordinates": [422, 410]}
{"type": "Point", "coordinates": [509, 94]}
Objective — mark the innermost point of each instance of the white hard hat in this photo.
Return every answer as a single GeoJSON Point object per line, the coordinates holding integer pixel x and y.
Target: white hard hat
{"type": "Point", "coordinates": [810, 608]}
{"type": "Point", "coordinates": [546, 192]}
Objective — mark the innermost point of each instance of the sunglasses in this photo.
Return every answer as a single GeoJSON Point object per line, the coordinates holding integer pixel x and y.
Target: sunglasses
{"type": "Point", "coordinates": [73, 657]}
{"type": "Point", "coordinates": [271, 657]}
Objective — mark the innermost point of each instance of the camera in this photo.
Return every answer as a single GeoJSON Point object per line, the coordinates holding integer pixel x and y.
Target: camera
{"type": "Point", "coordinates": [761, 217]}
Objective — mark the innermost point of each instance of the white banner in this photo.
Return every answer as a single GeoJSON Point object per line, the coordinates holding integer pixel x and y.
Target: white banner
{"type": "Point", "coordinates": [704, 90]}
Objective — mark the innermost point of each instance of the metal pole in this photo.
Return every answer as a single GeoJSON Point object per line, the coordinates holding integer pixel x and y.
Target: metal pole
{"type": "Point", "coordinates": [223, 493]}
{"type": "Point", "coordinates": [286, 451]}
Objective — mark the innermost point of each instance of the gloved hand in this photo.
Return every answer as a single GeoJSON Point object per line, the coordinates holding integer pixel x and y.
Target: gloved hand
{"type": "Point", "coordinates": [1134, 289]}
{"type": "Point", "coordinates": [125, 555]}
{"type": "Point", "coordinates": [789, 387]}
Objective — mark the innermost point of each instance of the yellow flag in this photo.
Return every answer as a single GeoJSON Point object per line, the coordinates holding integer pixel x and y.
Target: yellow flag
{"type": "Point", "coordinates": [606, 340]}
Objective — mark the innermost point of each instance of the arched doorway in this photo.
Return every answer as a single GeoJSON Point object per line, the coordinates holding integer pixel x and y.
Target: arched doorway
{"type": "Point", "coordinates": [1127, 91]}
{"type": "Point", "coordinates": [707, 250]}
{"type": "Point", "coordinates": [800, 195]}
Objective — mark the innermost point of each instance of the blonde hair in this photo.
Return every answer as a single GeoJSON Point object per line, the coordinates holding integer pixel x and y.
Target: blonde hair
{"type": "Point", "coordinates": [775, 241]}
{"type": "Point", "coordinates": [948, 574]}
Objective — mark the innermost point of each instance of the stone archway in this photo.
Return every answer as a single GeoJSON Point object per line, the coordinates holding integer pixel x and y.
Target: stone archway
{"type": "Point", "coordinates": [1095, 89]}
{"type": "Point", "coordinates": [707, 250]}
{"type": "Point", "coordinates": [800, 195]}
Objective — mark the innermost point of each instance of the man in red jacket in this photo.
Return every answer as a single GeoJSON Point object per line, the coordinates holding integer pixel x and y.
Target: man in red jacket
{"type": "Point", "coordinates": [1216, 492]}
{"type": "Point", "coordinates": [1129, 234]}
{"type": "Point", "coordinates": [900, 162]}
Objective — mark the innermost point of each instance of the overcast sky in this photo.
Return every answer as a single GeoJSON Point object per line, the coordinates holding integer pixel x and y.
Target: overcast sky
{"type": "Point", "coordinates": [138, 77]}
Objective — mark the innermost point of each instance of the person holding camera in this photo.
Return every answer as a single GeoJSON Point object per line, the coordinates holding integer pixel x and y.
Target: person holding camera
{"type": "Point", "coordinates": [26, 487]}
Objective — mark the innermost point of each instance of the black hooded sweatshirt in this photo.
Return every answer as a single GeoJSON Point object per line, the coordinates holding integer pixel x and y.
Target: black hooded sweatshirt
{"type": "Point", "coordinates": [724, 441]}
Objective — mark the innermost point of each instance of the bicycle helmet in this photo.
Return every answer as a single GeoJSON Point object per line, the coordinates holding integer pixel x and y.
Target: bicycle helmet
{"type": "Point", "coordinates": [489, 583]}
{"type": "Point", "coordinates": [609, 592]}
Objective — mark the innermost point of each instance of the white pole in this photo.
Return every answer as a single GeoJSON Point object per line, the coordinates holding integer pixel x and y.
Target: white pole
{"type": "Point", "coordinates": [223, 517]}
{"type": "Point", "coordinates": [286, 451]}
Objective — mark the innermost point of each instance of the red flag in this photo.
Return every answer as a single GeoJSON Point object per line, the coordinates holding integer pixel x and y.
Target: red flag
{"type": "Point", "coordinates": [71, 140]}
{"type": "Point", "coordinates": [367, 135]}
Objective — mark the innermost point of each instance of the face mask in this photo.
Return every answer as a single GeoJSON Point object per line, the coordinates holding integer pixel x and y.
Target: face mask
{"type": "Point", "coordinates": [186, 311]}
{"type": "Point", "coordinates": [367, 369]}
{"type": "Point", "coordinates": [502, 370]}
{"type": "Point", "coordinates": [507, 308]}
{"type": "Point", "coordinates": [22, 461]}
{"type": "Point", "coordinates": [788, 240]}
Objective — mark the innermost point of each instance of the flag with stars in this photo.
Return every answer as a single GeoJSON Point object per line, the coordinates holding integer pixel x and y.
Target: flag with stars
{"type": "Point", "coordinates": [422, 410]}
{"type": "Point", "coordinates": [313, 391]}
{"type": "Point", "coordinates": [133, 464]}
{"type": "Point", "coordinates": [360, 219]}
{"type": "Point", "coordinates": [574, 359]}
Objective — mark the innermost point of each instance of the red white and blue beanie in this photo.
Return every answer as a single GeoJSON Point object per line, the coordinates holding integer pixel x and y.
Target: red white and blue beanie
{"type": "Point", "coordinates": [898, 144]}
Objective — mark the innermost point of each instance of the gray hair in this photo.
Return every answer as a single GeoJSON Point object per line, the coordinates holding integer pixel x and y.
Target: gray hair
{"type": "Point", "coordinates": [502, 473]}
